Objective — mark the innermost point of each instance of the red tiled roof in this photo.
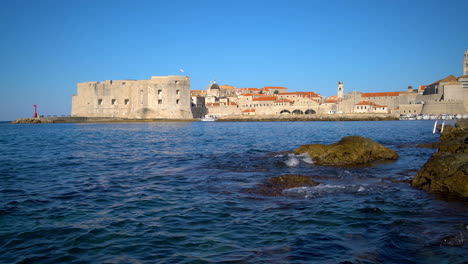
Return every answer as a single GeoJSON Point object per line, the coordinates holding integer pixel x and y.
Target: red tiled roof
{"type": "Point", "coordinates": [422, 87]}
{"type": "Point", "coordinates": [248, 111]}
{"type": "Point", "coordinates": [227, 86]}
{"type": "Point", "coordinates": [449, 78]}
{"type": "Point", "coordinates": [265, 98]}
{"type": "Point", "coordinates": [309, 94]}
{"type": "Point", "coordinates": [380, 94]}
{"type": "Point", "coordinates": [331, 100]}
{"type": "Point", "coordinates": [283, 101]}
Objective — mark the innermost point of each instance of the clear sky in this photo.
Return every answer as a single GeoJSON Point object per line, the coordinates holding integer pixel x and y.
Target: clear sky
{"type": "Point", "coordinates": [47, 47]}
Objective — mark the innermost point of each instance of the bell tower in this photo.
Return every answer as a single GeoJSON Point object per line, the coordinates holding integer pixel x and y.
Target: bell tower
{"type": "Point", "coordinates": [340, 89]}
{"type": "Point", "coordinates": [465, 63]}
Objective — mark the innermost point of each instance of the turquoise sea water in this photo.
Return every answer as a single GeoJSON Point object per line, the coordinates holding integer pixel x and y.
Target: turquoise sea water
{"type": "Point", "coordinates": [173, 193]}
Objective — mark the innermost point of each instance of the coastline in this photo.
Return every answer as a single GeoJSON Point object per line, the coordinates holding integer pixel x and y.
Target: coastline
{"type": "Point", "coordinates": [246, 118]}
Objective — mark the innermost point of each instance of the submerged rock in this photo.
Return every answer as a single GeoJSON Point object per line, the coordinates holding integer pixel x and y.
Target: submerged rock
{"type": "Point", "coordinates": [348, 151]}
{"type": "Point", "coordinates": [457, 240]}
{"type": "Point", "coordinates": [276, 185]}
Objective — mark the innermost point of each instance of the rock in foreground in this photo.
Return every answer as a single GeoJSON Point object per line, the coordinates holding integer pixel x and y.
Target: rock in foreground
{"type": "Point", "coordinates": [348, 151]}
{"type": "Point", "coordinates": [446, 172]}
{"type": "Point", "coordinates": [276, 185]}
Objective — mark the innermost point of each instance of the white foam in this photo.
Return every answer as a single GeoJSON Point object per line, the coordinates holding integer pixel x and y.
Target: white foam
{"type": "Point", "coordinates": [292, 161]}
{"type": "Point", "coordinates": [306, 158]}
{"type": "Point", "coordinates": [322, 189]}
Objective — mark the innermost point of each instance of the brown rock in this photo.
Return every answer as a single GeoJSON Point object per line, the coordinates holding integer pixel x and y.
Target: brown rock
{"type": "Point", "coordinates": [348, 151]}
{"type": "Point", "coordinates": [276, 185]}
{"type": "Point", "coordinates": [445, 173]}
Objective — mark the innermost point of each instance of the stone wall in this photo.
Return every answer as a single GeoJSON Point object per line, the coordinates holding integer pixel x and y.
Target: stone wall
{"type": "Point", "coordinates": [166, 97]}
{"type": "Point", "coordinates": [411, 109]}
{"type": "Point", "coordinates": [437, 108]}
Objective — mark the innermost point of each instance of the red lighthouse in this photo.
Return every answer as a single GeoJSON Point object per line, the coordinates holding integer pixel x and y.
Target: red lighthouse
{"type": "Point", "coordinates": [35, 111]}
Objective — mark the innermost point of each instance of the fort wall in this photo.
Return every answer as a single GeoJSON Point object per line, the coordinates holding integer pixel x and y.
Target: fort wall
{"type": "Point", "coordinates": [165, 97]}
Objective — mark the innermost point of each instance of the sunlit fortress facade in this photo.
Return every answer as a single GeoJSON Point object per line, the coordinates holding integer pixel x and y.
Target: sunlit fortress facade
{"type": "Point", "coordinates": [161, 97]}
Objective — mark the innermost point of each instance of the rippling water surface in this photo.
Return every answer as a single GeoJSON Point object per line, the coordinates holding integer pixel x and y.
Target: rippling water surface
{"type": "Point", "coordinates": [173, 193]}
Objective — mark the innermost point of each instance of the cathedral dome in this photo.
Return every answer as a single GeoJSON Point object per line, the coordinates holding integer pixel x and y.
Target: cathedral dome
{"type": "Point", "coordinates": [214, 86]}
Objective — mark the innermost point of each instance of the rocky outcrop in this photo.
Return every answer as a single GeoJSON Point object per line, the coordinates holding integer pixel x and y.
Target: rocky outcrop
{"type": "Point", "coordinates": [276, 185]}
{"type": "Point", "coordinates": [446, 172]}
{"type": "Point", "coordinates": [36, 120]}
{"type": "Point", "coordinates": [349, 150]}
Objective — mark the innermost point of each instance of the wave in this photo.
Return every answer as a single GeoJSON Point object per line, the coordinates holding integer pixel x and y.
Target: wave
{"type": "Point", "coordinates": [324, 189]}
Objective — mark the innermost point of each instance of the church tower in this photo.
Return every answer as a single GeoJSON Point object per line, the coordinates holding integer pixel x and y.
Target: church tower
{"type": "Point", "coordinates": [465, 63]}
{"type": "Point", "coordinates": [340, 89]}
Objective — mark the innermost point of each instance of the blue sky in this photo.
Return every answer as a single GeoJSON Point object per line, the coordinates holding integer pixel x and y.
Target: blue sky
{"type": "Point", "coordinates": [47, 47]}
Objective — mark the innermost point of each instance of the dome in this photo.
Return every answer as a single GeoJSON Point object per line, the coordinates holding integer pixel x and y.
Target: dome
{"type": "Point", "coordinates": [214, 86]}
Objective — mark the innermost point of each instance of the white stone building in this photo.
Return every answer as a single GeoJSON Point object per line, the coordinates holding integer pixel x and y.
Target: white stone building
{"type": "Point", "coordinates": [161, 97]}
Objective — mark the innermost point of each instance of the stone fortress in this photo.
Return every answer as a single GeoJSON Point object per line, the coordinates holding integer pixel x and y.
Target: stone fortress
{"type": "Point", "coordinates": [170, 97]}
{"type": "Point", "coordinates": [162, 97]}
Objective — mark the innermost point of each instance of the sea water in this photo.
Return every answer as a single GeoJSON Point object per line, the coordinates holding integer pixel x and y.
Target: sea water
{"type": "Point", "coordinates": [172, 192]}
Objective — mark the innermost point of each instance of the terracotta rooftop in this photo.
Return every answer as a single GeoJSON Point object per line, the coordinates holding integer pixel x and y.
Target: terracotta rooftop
{"type": "Point", "coordinates": [449, 78]}
{"type": "Point", "coordinates": [265, 98]}
{"type": "Point", "coordinates": [309, 94]}
{"type": "Point", "coordinates": [331, 100]}
{"type": "Point", "coordinates": [226, 87]}
{"type": "Point", "coordinates": [380, 94]}
{"type": "Point", "coordinates": [248, 111]}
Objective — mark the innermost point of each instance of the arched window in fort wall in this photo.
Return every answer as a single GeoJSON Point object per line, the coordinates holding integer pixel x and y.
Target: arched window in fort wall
{"type": "Point", "coordinates": [126, 101]}
{"type": "Point", "coordinates": [99, 101]}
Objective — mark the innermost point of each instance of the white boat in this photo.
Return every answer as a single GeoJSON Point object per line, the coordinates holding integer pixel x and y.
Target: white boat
{"type": "Point", "coordinates": [208, 118]}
